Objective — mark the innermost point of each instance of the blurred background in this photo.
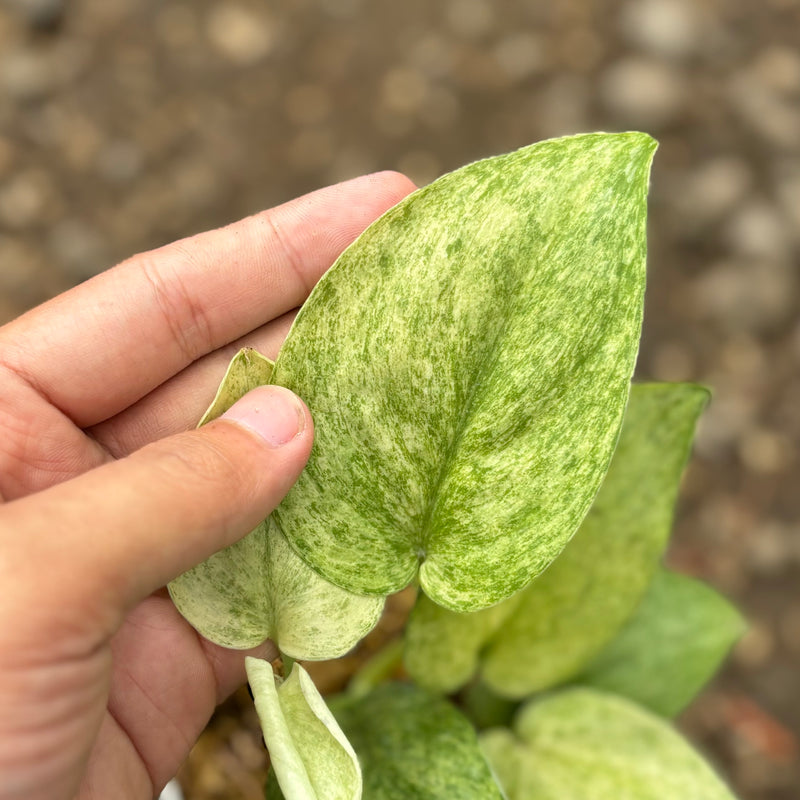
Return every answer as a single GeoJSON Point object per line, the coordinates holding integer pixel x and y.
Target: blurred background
{"type": "Point", "coordinates": [125, 124]}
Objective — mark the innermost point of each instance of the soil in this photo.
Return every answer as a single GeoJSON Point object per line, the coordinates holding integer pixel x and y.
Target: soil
{"type": "Point", "coordinates": [125, 124]}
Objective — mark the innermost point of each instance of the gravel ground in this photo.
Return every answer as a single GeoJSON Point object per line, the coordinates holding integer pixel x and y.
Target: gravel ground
{"type": "Point", "coordinates": [128, 123]}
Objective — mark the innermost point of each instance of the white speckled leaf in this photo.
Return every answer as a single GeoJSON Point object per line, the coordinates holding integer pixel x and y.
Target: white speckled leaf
{"type": "Point", "coordinates": [670, 648]}
{"type": "Point", "coordinates": [586, 745]}
{"type": "Point", "coordinates": [567, 615]}
{"type": "Point", "coordinates": [546, 633]}
{"type": "Point", "coordinates": [310, 755]}
{"type": "Point", "coordinates": [467, 362]}
{"type": "Point", "coordinates": [413, 745]}
{"type": "Point", "coordinates": [442, 647]}
{"type": "Point", "coordinates": [259, 588]}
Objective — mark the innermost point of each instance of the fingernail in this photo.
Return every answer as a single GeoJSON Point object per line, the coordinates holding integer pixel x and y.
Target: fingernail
{"type": "Point", "coordinates": [274, 413]}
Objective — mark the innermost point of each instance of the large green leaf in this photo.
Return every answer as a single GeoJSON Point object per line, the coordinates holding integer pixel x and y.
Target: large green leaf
{"type": "Point", "coordinates": [467, 362]}
{"type": "Point", "coordinates": [259, 588]}
{"type": "Point", "coordinates": [674, 643]}
{"type": "Point", "coordinates": [586, 745]}
{"type": "Point", "coordinates": [552, 629]}
{"type": "Point", "coordinates": [309, 754]}
{"type": "Point", "coordinates": [412, 744]}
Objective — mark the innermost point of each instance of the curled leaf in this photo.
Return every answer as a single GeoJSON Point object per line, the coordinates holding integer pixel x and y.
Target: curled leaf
{"type": "Point", "coordinates": [309, 754]}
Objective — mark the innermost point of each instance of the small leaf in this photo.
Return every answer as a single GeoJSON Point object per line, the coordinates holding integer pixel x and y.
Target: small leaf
{"type": "Point", "coordinates": [259, 588]}
{"type": "Point", "coordinates": [675, 642]}
{"type": "Point", "coordinates": [586, 745]}
{"type": "Point", "coordinates": [567, 615]}
{"type": "Point", "coordinates": [309, 754]}
{"type": "Point", "coordinates": [552, 629]}
{"type": "Point", "coordinates": [247, 370]}
{"type": "Point", "coordinates": [442, 646]}
{"type": "Point", "coordinates": [467, 362]}
{"type": "Point", "coordinates": [412, 744]}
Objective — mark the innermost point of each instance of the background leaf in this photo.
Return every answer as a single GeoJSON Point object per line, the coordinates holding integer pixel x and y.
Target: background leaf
{"type": "Point", "coordinates": [442, 646]}
{"type": "Point", "coordinates": [581, 744]}
{"type": "Point", "coordinates": [412, 744]}
{"type": "Point", "coordinates": [548, 632]}
{"type": "Point", "coordinates": [467, 362]}
{"type": "Point", "coordinates": [259, 588]}
{"type": "Point", "coordinates": [309, 754]}
{"type": "Point", "coordinates": [569, 613]}
{"type": "Point", "coordinates": [675, 642]}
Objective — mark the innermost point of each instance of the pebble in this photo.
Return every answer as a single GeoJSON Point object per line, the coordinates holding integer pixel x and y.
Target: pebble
{"type": "Point", "coordinates": [308, 104]}
{"type": "Point", "coordinates": [403, 90]}
{"type": "Point", "coordinates": [27, 199]}
{"type": "Point", "coordinates": [790, 628]}
{"type": "Point", "coordinates": [668, 28]}
{"type": "Point", "coordinates": [26, 75]}
{"type": "Point", "coordinates": [120, 161]}
{"type": "Point", "coordinates": [756, 646]}
{"type": "Point", "coordinates": [711, 190]}
{"type": "Point", "coordinates": [40, 14]}
{"type": "Point", "coordinates": [769, 113]}
{"type": "Point", "coordinates": [521, 54]}
{"type": "Point", "coordinates": [469, 19]}
{"type": "Point", "coordinates": [240, 34]}
{"type": "Point", "coordinates": [757, 230]}
{"type": "Point", "coordinates": [78, 249]}
{"type": "Point", "coordinates": [766, 549]}
{"type": "Point", "coordinates": [787, 180]}
{"type": "Point", "coordinates": [563, 106]}
{"type": "Point", "coordinates": [642, 92]}
{"type": "Point", "coordinates": [747, 295]}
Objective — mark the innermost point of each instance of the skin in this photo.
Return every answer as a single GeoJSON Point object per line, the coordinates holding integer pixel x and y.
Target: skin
{"type": "Point", "coordinates": [108, 493]}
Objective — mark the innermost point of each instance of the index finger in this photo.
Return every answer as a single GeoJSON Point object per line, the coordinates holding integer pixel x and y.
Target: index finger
{"type": "Point", "coordinates": [98, 348]}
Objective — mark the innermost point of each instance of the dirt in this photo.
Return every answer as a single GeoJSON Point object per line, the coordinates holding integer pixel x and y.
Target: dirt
{"type": "Point", "coordinates": [128, 123]}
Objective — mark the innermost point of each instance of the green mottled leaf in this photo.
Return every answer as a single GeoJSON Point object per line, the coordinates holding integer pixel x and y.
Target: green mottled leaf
{"type": "Point", "coordinates": [586, 745]}
{"type": "Point", "coordinates": [467, 362]}
{"type": "Point", "coordinates": [442, 646]}
{"type": "Point", "coordinates": [670, 648]}
{"type": "Point", "coordinates": [412, 744]}
{"type": "Point", "coordinates": [259, 588]}
{"type": "Point", "coordinates": [567, 615]}
{"type": "Point", "coordinates": [548, 632]}
{"type": "Point", "coordinates": [248, 369]}
{"type": "Point", "coordinates": [309, 754]}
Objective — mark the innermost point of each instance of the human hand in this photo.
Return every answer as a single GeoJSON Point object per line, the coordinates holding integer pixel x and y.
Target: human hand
{"type": "Point", "coordinates": [108, 494]}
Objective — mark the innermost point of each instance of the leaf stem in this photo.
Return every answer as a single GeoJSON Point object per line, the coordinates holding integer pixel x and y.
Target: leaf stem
{"type": "Point", "coordinates": [288, 663]}
{"type": "Point", "coordinates": [376, 670]}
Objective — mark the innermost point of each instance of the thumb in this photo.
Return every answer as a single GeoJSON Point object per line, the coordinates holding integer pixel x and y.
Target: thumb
{"type": "Point", "coordinates": [108, 538]}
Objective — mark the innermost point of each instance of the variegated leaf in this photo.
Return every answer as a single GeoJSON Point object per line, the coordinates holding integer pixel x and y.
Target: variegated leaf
{"type": "Point", "coordinates": [670, 648]}
{"type": "Point", "coordinates": [549, 631]}
{"type": "Point", "coordinates": [412, 744]}
{"type": "Point", "coordinates": [582, 744]}
{"type": "Point", "coordinates": [566, 616]}
{"type": "Point", "coordinates": [259, 588]}
{"type": "Point", "coordinates": [467, 362]}
{"type": "Point", "coordinates": [309, 754]}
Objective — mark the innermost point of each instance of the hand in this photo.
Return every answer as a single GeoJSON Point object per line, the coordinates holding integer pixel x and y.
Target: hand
{"type": "Point", "coordinates": [109, 494]}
